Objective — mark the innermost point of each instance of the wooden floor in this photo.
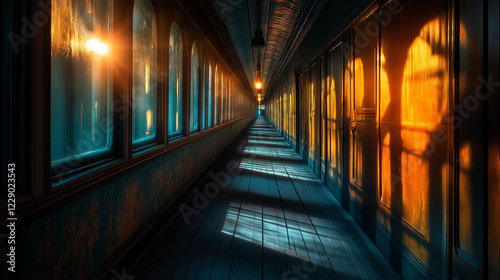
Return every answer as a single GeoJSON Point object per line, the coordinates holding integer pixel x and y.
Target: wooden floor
{"type": "Point", "coordinates": [272, 219]}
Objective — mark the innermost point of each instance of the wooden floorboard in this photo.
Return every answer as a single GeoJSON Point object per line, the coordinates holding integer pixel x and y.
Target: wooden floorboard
{"type": "Point", "coordinates": [273, 220]}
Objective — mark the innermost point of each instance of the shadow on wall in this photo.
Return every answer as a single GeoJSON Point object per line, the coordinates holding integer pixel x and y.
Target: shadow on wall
{"type": "Point", "coordinates": [414, 109]}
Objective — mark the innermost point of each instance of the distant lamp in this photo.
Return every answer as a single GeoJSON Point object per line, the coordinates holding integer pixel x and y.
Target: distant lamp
{"type": "Point", "coordinates": [258, 41]}
{"type": "Point", "coordinates": [258, 83]}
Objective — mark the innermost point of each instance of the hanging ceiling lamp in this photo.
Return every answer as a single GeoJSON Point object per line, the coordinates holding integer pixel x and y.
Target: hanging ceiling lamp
{"type": "Point", "coordinates": [258, 41]}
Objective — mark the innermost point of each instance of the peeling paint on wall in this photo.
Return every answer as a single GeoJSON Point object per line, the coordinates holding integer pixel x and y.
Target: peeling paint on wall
{"type": "Point", "coordinates": [73, 241]}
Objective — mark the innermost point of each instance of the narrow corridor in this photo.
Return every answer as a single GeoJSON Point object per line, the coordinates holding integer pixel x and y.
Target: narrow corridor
{"type": "Point", "coordinates": [269, 218]}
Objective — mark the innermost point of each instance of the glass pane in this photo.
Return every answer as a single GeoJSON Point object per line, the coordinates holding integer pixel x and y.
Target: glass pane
{"type": "Point", "coordinates": [81, 118]}
{"type": "Point", "coordinates": [175, 81]}
{"type": "Point", "coordinates": [145, 63]}
{"type": "Point", "coordinates": [210, 95]}
{"type": "Point", "coordinates": [226, 98]}
{"type": "Point", "coordinates": [222, 96]}
{"type": "Point", "coordinates": [204, 98]}
{"type": "Point", "coordinates": [194, 88]}
{"type": "Point", "coordinates": [229, 110]}
{"type": "Point", "coordinates": [217, 92]}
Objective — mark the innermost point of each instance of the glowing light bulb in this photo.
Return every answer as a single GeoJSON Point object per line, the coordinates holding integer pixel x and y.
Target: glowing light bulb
{"type": "Point", "coordinates": [258, 85]}
{"type": "Point", "coordinates": [97, 47]}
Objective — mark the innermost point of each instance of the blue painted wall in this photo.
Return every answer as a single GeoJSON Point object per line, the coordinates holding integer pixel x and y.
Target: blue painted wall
{"type": "Point", "coordinates": [74, 240]}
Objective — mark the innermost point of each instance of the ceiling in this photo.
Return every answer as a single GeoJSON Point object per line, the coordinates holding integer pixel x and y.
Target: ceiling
{"type": "Point", "coordinates": [283, 22]}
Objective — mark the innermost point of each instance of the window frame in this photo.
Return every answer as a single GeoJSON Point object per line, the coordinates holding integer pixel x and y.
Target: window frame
{"type": "Point", "coordinates": [203, 99]}
{"type": "Point", "coordinates": [223, 96]}
{"type": "Point", "coordinates": [158, 140]}
{"type": "Point", "coordinates": [217, 89]}
{"type": "Point", "coordinates": [195, 43]}
{"type": "Point", "coordinates": [122, 151]}
{"type": "Point", "coordinates": [65, 169]}
{"type": "Point", "coordinates": [210, 93]}
{"type": "Point", "coordinates": [172, 137]}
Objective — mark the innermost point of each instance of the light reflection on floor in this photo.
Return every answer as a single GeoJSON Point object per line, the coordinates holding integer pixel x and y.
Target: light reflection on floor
{"type": "Point", "coordinates": [284, 169]}
{"type": "Point", "coordinates": [287, 163]}
{"type": "Point", "coordinates": [276, 214]}
{"type": "Point", "coordinates": [283, 231]}
{"type": "Point", "coordinates": [266, 143]}
{"type": "Point", "coordinates": [282, 153]}
{"type": "Point", "coordinates": [297, 235]}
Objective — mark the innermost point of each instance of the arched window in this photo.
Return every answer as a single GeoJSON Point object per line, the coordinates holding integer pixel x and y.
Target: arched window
{"type": "Point", "coordinates": [230, 101]}
{"type": "Point", "coordinates": [193, 124]}
{"type": "Point", "coordinates": [144, 73]}
{"type": "Point", "coordinates": [222, 96]}
{"type": "Point", "coordinates": [175, 81]}
{"type": "Point", "coordinates": [204, 98]}
{"type": "Point", "coordinates": [81, 88]}
{"type": "Point", "coordinates": [210, 96]}
{"type": "Point", "coordinates": [228, 109]}
{"type": "Point", "coordinates": [217, 93]}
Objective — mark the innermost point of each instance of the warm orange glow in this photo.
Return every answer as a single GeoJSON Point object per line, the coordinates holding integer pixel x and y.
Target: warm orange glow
{"type": "Point", "coordinates": [359, 83]}
{"type": "Point", "coordinates": [330, 145]}
{"type": "Point", "coordinates": [335, 136]}
{"type": "Point", "coordinates": [425, 78]}
{"type": "Point", "coordinates": [70, 33]}
{"type": "Point", "coordinates": [258, 85]}
{"type": "Point", "coordinates": [465, 194]}
{"type": "Point", "coordinates": [95, 118]}
{"type": "Point", "coordinates": [312, 120]}
{"type": "Point", "coordinates": [149, 120]}
{"type": "Point", "coordinates": [97, 47]}
{"type": "Point", "coordinates": [385, 89]}
{"type": "Point", "coordinates": [146, 80]}
{"type": "Point", "coordinates": [293, 109]}
{"type": "Point", "coordinates": [411, 157]}
{"type": "Point", "coordinates": [348, 79]}
{"type": "Point", "coordinates": [334, 114]}
{"type": "Point", "coordinates": [177, 120]}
